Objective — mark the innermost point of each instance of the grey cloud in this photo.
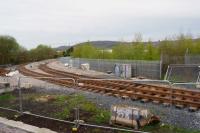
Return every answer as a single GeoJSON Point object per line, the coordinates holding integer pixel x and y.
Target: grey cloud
{"type": "Point", "coordinates": [33, 22]}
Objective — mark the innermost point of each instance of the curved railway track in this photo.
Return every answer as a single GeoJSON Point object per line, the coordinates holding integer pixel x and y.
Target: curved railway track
{"type": "Point", "coordinates": [46, 77]}
{"type": "Point", "coordinates": [125, 88]}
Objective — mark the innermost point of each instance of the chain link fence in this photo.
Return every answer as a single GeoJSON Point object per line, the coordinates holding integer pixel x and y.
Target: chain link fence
{"type": "Point", "coordinates": [148, 69]}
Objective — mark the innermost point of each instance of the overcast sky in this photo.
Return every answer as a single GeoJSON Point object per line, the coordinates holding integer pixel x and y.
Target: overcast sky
{"type": "Point", "coordinates": [55, 22]}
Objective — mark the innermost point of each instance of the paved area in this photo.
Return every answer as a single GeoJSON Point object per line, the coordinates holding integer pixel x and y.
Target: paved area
{"type": "Point", "coordinates": [10, 126]}
{"type": "Point", "coordinates": [60, 66]}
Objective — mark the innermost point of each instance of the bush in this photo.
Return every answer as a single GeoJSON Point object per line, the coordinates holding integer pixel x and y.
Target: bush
{"type": "Point", "coordinates": [64, 114]}
{"type": "Point", "coordinates": [61, 99]}
{"type": "Point", "coordinates": [90, 107]}
{"type": "Point", "coordinates": [101, 116]}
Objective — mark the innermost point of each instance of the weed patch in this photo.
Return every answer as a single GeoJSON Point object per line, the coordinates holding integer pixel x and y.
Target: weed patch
{"type": "Point", "coordinates": [63, 114]}
{"type": "Point", "coordinates": [7, 96]}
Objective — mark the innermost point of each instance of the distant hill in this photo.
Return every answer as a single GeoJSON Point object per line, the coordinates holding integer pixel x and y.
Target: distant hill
{"type": "Point", "coordinates": [62, 48]}
{"type": "Point", "coordinates": [104, 44]}
{"type": "Point", "coordinates": [98, 44]}
{"type": "Point", "coordinates": [108, 44]}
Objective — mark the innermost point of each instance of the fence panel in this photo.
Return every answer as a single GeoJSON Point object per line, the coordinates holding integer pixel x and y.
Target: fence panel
{"type": "Point", "coordinates": [192, 59]}
{"type": "Point", "coordinates": [148, 69]}
{"type": "Point", "coordinates": [9, 97]}
{"type": "Point", "coordinates": [182, 73]}
{"type": "Point", "coordinates": [40, 95]}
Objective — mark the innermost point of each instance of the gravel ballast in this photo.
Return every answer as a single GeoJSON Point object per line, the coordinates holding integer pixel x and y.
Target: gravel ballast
{"type": "Point", "coordinates": [169, 115]}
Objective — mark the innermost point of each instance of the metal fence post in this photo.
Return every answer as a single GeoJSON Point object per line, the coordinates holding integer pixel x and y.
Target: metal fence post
{"type": "Point", "coordinates": [171, 98]}
{"type": "Point", "coordinates": [76, 83]}
{"type": "Point", "coordinates": [161, 69]}
{"type": "Point", "coordinates": [20, 96]}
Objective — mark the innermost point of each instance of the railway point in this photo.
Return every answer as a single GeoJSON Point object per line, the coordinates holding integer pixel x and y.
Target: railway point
{"type": "Point", "coordinates": [100, 66]}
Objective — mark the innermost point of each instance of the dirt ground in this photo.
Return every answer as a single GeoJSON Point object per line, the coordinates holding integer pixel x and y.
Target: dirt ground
{"type": "Point", "coordinates": [45, 105]}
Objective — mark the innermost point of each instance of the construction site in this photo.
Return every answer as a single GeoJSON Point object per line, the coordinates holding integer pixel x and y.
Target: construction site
{"type": "Point", "coordinates": [58, 96]}
{"type": "Point", "coordinates": [100, 66]}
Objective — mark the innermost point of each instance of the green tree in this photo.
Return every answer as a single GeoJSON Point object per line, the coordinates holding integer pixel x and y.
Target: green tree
{"type": "Point", "coordinates": [8, 49]}
{"type": "Point", "coordinates": [151, 52]}
{"type": "Point", "coordinates": [68, 52]}
{"type": "Point", "coordinates": [22, 55]}
{"type": "Point", "coordinates": [86, 50]}
{"type": "Point", "coordinates": [41, 52]}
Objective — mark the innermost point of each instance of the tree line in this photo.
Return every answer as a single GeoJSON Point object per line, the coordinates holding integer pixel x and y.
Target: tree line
{"type": "Point", "coordinates": [139, 50]}
{"type": "Point", "coordinates": [13, 53]}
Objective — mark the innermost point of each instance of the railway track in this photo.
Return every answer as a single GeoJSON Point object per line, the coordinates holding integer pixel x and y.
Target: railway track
{"type": "Point", "coordinates": [47, 69]}
{"type": "Point", "coordinates": [126, 89]}
{"type": "Point", "coordinates": [46, 77]}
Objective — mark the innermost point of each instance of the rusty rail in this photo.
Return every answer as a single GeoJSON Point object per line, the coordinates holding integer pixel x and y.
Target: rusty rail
{"type": "Point", "coordinates": [126, 88]}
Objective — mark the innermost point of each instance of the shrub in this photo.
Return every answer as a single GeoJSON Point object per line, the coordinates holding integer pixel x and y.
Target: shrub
{"type": "Point", "coordinates": [102, 116]}
{"type": "Point", "coordinates": [64, 114]}
{"type": "Point", "coordinates": [90, 107]}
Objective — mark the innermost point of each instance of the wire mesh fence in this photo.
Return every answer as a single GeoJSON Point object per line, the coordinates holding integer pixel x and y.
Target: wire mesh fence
{"type": "Point", "coordinates": [148, 69]}
{"type": "Point", "coordinates": [41, 98]}
{"type": "Point", "coordinates": [86, 105]}
{"type": "Point", "coordinates": [38, 94]}
{"type": "Point", "coordinates": [177, 73]}
{"type": "Point", "coordinates": [192, 59]}
{"type": "Point", "coordinates": [9, 85]}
